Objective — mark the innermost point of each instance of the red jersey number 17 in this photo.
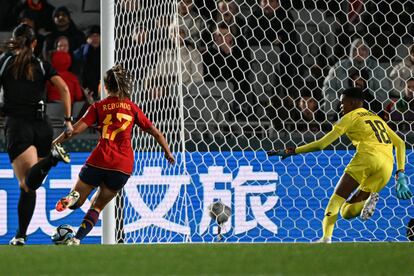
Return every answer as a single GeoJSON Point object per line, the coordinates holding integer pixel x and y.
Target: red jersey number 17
{"type": "Point", "coordinates": [108, 121]}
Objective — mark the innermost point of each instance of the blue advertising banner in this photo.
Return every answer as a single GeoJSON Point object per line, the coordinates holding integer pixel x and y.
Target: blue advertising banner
{"type": "Point", "coordinates": [271, 200]}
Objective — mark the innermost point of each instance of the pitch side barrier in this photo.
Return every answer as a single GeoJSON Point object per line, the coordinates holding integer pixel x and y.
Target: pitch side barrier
{"type": "Point", "coordinates": [271, 200]}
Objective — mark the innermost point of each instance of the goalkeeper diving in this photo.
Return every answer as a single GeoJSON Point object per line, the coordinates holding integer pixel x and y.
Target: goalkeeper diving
{"type": "Point", "coordinates": [370, 168]}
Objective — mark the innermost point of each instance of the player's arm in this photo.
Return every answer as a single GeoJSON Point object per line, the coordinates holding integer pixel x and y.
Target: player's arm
{"type": "Point", "coordinates": [337, 131]}
{"type": "Point", "coordinates": [401, 180]}
{"type": "Point", "coordinates": [317, 145]}
{"type": "Point", "coordinates": [320, 144]}
{"type": "Point", "coordinates": [399, 145]}
{"type": "Point", "coordinates": [159, 137]}
{"type": "Point", "coordinates": [79, 127]}
{"type": "Point", "coordinates": [89, 118]}
{"type": "Point", "coordinates": [66, 101]}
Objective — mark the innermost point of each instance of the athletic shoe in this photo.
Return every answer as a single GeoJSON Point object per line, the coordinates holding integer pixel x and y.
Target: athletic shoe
{"type": "Point", "coordinates": [324, 240]}
{"type": "Point", "coordinates": [369, 206]}
{"type": "Point", "coordinates": [67, 201]}
{"type": "Point", "coordinates": [18, 241]}
{"type": "Point", "coordinates": [73, 241]}
{"type": "Point", "coordinates": [59, 153]}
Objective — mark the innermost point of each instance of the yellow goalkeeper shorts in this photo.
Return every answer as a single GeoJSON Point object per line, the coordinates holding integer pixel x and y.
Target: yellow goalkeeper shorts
{"type": "Point", "coordinates": [372, 172]}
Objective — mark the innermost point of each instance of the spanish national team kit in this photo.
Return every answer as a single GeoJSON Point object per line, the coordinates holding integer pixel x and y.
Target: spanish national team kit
{"type": "Point", "coordinates": [112, 160]}
{"type": "Point", "coordinates": [373, 161]}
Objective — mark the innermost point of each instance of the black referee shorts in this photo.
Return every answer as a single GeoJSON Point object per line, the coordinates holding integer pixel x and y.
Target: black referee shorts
{"type": "Point", "coordinates": [22, 133]}
{"type": "Point", "coordinates": [114, 180]}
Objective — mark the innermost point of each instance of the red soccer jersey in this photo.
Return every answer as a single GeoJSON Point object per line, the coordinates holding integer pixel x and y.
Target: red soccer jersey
{"type": "Point", "coordinates": [115, 119]}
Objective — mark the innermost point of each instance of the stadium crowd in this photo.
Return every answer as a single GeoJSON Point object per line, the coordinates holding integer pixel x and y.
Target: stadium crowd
{"type": "Point", "coordinates": [73, 53]}
{"type": "Point", "coordinates": [259, 47]}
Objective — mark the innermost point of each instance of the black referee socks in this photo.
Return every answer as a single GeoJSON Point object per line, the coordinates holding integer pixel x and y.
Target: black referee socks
{"type": "Point", "coordinates": [25, 209]}
{"type": "Point", "coordinates": [38, 172]}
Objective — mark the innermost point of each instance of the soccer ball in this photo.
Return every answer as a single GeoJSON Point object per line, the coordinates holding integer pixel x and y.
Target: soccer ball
{"type": "Point", "coordinates": [219, 212]}
{"type": "Point", "coordinates": [63, 234]}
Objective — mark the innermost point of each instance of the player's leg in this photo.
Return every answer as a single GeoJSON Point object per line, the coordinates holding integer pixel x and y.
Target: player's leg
{"type": "Point", "coordinates": [76, 197]}
{"type": "Point", "coordinates": [113, 182]}
{"type": "Point", "coordinates": [43, 135]}
{"type": "Point", "coordinates": [89, 178]}
{"type": "Point", "coordinates": [345, 187]}
{"type": "Point", "coordinates": [40, 170]}
{"type": "Point", "coordinates": [103, 196]}
{"type": "Point", "coordinates": [27, 200]}
{"type": "Point", "coordinates": [352, 208]}
{"type": "Point", "coordinates": [364, 201]}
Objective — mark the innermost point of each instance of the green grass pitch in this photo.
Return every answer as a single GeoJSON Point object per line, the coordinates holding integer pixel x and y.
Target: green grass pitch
{"type": "Point", "coordinates": [210, 259]}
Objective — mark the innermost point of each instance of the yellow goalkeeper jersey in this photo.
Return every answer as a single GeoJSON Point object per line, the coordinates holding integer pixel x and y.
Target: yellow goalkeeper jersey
{"type": "Point", "coordinates": [368, 133]}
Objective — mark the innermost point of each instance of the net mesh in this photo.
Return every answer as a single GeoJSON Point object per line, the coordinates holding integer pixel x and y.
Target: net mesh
{"type": "Point", "coordinates": [226, 80]}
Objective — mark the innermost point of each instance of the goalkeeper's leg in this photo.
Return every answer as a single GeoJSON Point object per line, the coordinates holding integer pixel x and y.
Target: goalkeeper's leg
{"type": "Point", "coordinates": [353, 207]}
{"type": "Point", "coordinates": [364, 201]}
{"type": "Point", "coordinates": [344, 188]}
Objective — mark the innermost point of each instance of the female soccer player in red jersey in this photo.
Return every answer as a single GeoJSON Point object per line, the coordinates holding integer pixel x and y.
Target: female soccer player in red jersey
{"type": "Point", "coordinates": [111, 163]}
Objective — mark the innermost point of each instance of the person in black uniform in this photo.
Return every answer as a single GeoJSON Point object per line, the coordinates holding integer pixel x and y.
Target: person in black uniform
{"type": "Point", "coordinates": [28, 131]}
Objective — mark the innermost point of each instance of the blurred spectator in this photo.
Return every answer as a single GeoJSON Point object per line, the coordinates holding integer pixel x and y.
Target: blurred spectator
{"type": "Point", "coordinates": [307, 115]}
{"type": "Point", "coordinates": [157, 87]}
{"type": "Point", "coordinates": [400, 111]}
{"type": "Point", "coordinates": [383, 24]}
{"type": "Point", "coordinates": [191, 21]}
{"type": "Point", "coordinates": [386, 30]}
{"type": "Point", "coordinates": [143, 58]}
{"type": "Point", "coordinates": [337, 79]}
{"type": "Point", "coordinates": [228, 12]}
{"type": "Point", "coordinates": [63, 26]}
{"type": "Point", "coordinates": [88, 57]}
{"type": "Point", "coordinates": [29, 17]}
{"type": "Point", "coordinates": [165, 75]}
{"type": "Point", "coordinates": [41, 12]}
{"type": "Point", "coordinates": [61, 61]}
{"type": "Point", "coordinates": [191, 62]}
{"type": "Point", "coordinates": [359, 78]}
{"type": "Point", "coordinates": [62, 44]}
{"type": "Point", "coordinates": [205, 8]}
{"type": "Point", "coordinates": [272, 25]}
{"type": "Point", "coordinates": [402, 72]}
{"type": "Point", "coordinates": [225, 61]}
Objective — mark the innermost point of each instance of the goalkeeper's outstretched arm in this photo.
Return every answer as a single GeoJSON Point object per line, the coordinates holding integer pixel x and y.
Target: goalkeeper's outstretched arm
{"type": "Point", "coordinates": [320, 144]}
{"type": "Point", "coordinates": [317, 145]}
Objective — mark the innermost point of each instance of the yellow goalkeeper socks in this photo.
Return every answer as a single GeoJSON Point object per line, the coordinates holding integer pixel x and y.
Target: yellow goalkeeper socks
{"type": "Point", "coordinates": [352, 210]}
{"type": "Point", "coordinates": [331, 214]}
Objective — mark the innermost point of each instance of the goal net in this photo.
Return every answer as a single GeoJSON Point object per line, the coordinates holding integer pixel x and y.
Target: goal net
{"type": "Point", "coordinates": [227, 80]}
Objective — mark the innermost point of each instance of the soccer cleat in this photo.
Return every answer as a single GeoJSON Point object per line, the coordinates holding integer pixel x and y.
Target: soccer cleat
{"type": "Point", "coordinates": [73, 241]}
{"type": "Point", "coordinates": [369, 206]}
{"type": "Point", "coordinates": [324, 240]}
{"type": "Point", "coordinates": [59, 153]}
{"type": "Point", "coordinates": [18, 241]}
{"type": "Point", "coordinates": [67, 201]}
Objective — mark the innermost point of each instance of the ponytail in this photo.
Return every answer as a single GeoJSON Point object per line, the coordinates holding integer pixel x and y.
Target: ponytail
{"type": "Point", "coordinates": [23, 37]}
{"type": "Point", "coordinates": [118, 81]}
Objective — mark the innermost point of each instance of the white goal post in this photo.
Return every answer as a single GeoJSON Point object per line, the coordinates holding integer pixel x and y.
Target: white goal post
{"type": "Point", "coordinates": [227, 80]}
{"type": "Point", "coordinates": [107, 61]}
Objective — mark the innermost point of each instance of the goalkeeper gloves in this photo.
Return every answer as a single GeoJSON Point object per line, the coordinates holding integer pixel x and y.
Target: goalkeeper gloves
{"type": "Point", "coordinates": [284, 153]}
{"type": "Point", "coordinates": [401, 182]}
